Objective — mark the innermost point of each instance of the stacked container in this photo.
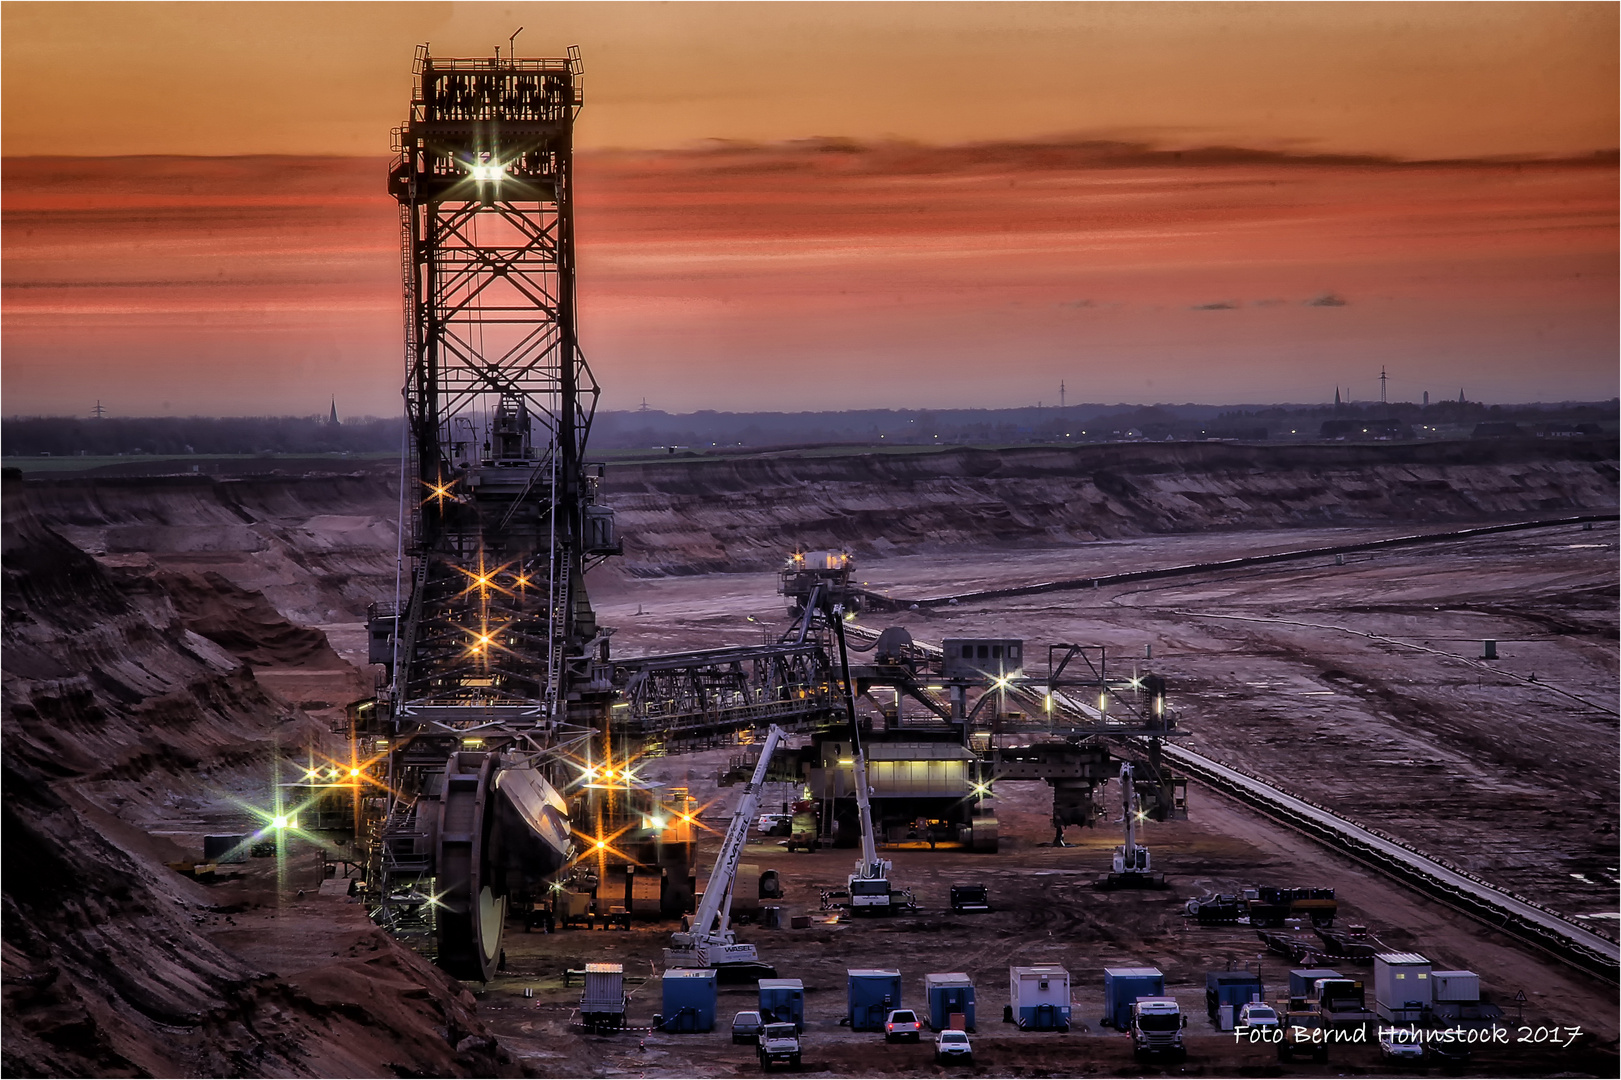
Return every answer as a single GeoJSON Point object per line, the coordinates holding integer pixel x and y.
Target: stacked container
{"type": "Point", "coordinates": [1401, 987]}
{"type": "Point", "coordinates": [689, 1000]}
{"type": "Point", "coordinates": [1455, 986]}
{"type": "Point", "coordinates": [782, 1001]}
{"type": "Point", "coordinates": [1039, 997]}
{"type": "Point", "coordinates": [951, 1001]}
{"type": "Point", "coordinates": [872, 994]}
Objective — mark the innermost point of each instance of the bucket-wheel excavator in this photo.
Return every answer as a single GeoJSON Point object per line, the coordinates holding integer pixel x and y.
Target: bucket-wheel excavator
{"type": "Point", "coordinates": [496, 668]}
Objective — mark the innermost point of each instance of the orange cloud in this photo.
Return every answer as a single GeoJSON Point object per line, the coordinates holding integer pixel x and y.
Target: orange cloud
{"type": "Point", "coordinates": [833, 275]}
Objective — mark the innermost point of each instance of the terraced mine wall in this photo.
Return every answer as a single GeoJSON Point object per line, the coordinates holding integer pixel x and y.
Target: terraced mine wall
{"type": "Point", "coordinates": [163, 635]}
{"type": "Point", "coordinates": [704, 515]}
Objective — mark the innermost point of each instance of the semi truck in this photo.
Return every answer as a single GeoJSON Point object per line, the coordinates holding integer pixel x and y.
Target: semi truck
{"type": "Point", "coordinates": [1156, 1028]}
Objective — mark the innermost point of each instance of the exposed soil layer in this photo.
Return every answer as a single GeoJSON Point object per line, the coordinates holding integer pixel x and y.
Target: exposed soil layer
{"type": "Point", "coordinates": [119, 719]}
{"type": "Point", "coordinates": [710, 515]}
{"type": "Point", "coordinates": [169, 641]}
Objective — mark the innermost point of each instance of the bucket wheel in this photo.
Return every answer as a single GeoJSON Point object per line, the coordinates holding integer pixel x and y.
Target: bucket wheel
{"type": "Point", "coordinates": [471, 914]}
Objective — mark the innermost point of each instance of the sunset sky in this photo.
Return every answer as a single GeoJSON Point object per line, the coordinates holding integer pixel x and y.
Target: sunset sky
{"type": "Point", "coordinates": [728, 261]}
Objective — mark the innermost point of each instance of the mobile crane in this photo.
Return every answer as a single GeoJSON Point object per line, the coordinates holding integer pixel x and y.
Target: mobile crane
{"type": "Point", "coordinates": [1133, 867]}
{"type": "Point", "coordinates": [870, 890]}
{"type": "Point", "coordinates": [708, 941]}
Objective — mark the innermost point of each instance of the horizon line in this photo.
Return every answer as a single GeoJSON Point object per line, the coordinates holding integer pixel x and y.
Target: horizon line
{"type": "Point", "coordinates": [1568, 402]}
{"type": "Point", "coordinates": [1104, 150]}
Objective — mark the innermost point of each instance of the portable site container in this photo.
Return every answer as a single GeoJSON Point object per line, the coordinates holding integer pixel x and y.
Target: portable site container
{"type": "Point", "coordinates": [1039, 996]}
{"type": "Point", "coordinates": [1455, 986]}
{"type": "Point", "coordinates": [604, 999]}
{"type": "Point", "coordinates": [782, 1001]}
{"type": "Point", "coordinates": [1231, 988]}
{"type": "Point", "coordinates": [689, 1000]}
{"type": "Point", "coordinates": [950, 994]}
{"type": "Point", "coordinates": [1301, 980]}
{"type": "Point", "coordinates": [1122, 986]}
{"type": "Point", "coordinates": [872, 993]}
{"type": "Point", "coordinates": [1401, 987]}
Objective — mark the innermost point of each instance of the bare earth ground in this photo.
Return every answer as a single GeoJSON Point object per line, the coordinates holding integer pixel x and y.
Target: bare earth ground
{"type": "Point", "coordinates": [1271, 668]}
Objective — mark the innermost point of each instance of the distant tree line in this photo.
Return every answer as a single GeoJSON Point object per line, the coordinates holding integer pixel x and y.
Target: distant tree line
{"type": "Point", "coordinates": [168, 435]}
{"type": "Point", "coordinates": [652, 429]}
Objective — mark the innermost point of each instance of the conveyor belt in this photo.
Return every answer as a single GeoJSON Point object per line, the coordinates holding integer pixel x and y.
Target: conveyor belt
{"type": "Point", "coordinates": [1514, 914]}
{"type": "Point", "coordinates": [874, 601]}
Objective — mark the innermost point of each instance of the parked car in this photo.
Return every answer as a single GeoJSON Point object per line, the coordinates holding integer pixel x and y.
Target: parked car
{"type": "Point", "coordinates": [1257, 1014]}
{"type": "Point", "coordinates": [774, 824]}
{"type": "Point", "coordinates": [903, 1024]}
{"type": "Point", "coordinates": [952, 1045]}
{"type": "Point", "coordinates": [1400, 1044]}
{"type": "Point", "coordinates": [746, 1026]}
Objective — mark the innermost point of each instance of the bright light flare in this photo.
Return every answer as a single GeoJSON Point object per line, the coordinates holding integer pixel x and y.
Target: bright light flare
{"type": "Point", "coordinates": [600, 847]}
{"type": "Point", "coordinates": [438, 492]}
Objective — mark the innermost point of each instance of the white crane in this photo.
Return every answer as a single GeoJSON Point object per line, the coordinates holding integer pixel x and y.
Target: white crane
{"type": "Point", "coordinates": [1130, 857]}
{"type": "Point", "coordinates": [869, 887]}
{"type": "Point", "coordinates": [710, 942]}
{"type": "Point", "coordinates": [1132, 863]}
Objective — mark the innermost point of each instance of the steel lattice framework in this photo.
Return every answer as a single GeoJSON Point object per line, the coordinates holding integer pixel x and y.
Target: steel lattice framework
{"type": "Point", "coordinates": [499, 399]}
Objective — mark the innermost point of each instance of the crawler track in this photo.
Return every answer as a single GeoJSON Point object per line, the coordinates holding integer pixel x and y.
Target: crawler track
{"type": "Point", "coordinates": [1509, 912]}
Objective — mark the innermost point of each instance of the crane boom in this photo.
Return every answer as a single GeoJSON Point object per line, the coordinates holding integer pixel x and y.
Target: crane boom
{"type": "Point", "coordinates": [709, 941]}
{"type": "Point", "coordinates": [1130, 857]}
{"type": "Point", "coordinates": [869, 886]}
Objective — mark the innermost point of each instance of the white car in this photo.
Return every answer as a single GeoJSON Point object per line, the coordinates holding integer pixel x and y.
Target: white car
{"type": "Point", "coordinates": [1258, 1014]}
{"type": "Point", "coordinates": [903, 1024]}
{"type": "Point", "coordinates": [952, 1045]}
{"type": "Point", "coordinates": [1401, 1044]}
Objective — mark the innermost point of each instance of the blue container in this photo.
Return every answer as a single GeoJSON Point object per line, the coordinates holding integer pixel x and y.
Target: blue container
{"type": "Point", "coordinates": [782, 1001]}
{"type": "Point", "coordinates": [872, 994]}
{"type": "Point", "coordinates": [1300, 980]}
{"type": "Point", "coordinates": [689, 1000]}
{"type": "Point", "coordinates": [1122, 986]}
{"type": "Point", "coordinates": [1231, 988]}
{"type": "Point", "coordinates": [949, 993]}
